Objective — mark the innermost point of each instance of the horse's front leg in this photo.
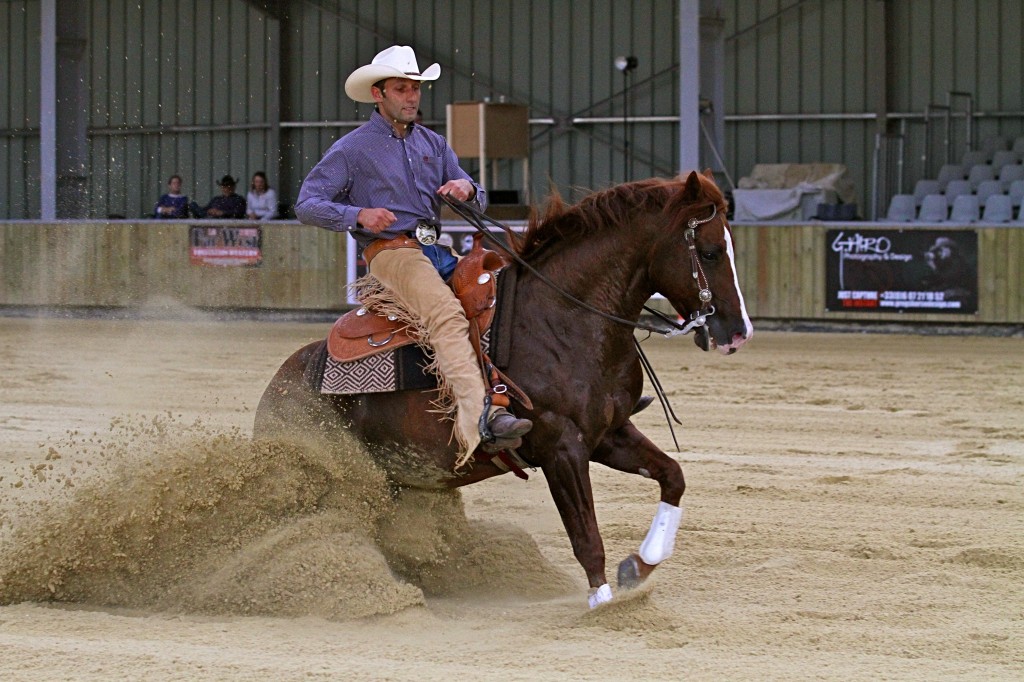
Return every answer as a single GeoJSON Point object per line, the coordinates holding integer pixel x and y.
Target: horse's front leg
{"type": "Point", "coordinates": [630, 451]}
{"type": "Point", "coordinates": [568, 476]}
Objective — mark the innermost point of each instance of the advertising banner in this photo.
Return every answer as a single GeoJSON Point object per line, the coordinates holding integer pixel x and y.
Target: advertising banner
{"type": "Point", "coordinates": [909, 270]}
{"type": "Point", "coordinates": [218, 245]}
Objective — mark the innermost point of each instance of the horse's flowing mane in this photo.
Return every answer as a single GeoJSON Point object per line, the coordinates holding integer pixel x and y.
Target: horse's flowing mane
{"type": "Point", "coordinates": [561, 222]}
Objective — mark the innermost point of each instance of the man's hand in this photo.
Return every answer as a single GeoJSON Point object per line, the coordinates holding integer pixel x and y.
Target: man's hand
{"type": "Point", "coordinates": [460, 189]}
{"type": "Point", "coordinates": [376, 220]}
{"type": "Point", "coordinates": [214, 213]}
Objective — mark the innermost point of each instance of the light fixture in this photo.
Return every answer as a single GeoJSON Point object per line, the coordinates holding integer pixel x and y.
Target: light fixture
{"type": "Point", "coordinates": [625, 64]}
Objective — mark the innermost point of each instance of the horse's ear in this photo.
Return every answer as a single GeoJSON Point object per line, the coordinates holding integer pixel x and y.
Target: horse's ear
{"type": "Point", "coordinates": [692, 188]}
{"type": "Point", "coordinates": [709, 174]}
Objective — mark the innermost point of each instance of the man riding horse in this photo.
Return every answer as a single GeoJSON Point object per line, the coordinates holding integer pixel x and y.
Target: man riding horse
{"type": "Point", "coordinates": [383, 183]}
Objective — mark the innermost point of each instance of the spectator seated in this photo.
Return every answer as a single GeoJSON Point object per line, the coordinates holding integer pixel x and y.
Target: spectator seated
{"type": "Point", "coordinates": [791, 191]}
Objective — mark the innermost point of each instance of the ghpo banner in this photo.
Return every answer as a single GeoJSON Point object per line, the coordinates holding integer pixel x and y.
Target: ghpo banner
{"type": "Point", "coordinates": [909, 270]}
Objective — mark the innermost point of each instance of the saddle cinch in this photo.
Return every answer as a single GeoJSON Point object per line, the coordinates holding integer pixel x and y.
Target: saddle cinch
{"type": "Point", "coordinates": [361, 333]}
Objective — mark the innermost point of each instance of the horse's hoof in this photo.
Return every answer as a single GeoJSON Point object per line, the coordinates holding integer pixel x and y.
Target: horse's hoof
{"type": "Point", "coordinates": [642, 404]}
{"type": "Point", "coordinates": [633, 571]}
{"type": "Point", "coordinates": [629, 573]}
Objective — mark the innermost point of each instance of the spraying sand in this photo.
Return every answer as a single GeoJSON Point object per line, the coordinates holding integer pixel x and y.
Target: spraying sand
{"type": "Point", "coordinates": [854, 511]}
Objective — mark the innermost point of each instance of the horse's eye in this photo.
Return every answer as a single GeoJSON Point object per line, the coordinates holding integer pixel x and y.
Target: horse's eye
{"type": "Point", "coordinates": [709, 255]}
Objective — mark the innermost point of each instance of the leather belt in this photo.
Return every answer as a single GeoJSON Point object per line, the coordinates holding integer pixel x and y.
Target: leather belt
{"type": "Point", "coordinates": [378, 245]}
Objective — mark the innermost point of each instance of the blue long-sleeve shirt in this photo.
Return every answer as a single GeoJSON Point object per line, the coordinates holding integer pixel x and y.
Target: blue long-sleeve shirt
{"type": "Point", "coordinates": [371, 167]}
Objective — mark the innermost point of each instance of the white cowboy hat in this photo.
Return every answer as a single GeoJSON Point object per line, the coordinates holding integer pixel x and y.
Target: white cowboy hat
{"type": "Point", "coordinates": [398, 61]}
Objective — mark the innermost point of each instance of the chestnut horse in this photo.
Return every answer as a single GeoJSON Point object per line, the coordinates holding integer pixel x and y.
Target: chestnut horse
{"type": "Point", "coordinates": [613, 251]}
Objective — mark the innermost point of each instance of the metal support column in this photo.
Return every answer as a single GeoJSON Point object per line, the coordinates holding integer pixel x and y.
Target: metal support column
{"type": "Point", "coordinates": [48, 109]}
{"type": "Point", "coordinates": [689, 85]}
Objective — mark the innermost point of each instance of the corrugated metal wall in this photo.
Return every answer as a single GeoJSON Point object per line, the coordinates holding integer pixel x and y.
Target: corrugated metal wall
{"type": "Point", "coordinates": [19, 109]}
{"type": "Point", "coordinates": [186, 87]}
{"type": "Point", "coordinates": [555, 56]}
{"type": "Point", "coordinates": [804, 60]}
{"type": "Point", "coordinates": [207, 87]}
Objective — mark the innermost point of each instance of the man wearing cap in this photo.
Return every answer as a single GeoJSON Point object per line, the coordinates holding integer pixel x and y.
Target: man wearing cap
{"type": "Point", "coordinates": [382, 182]}
{"type": "Point", "coordinates": [228, 204]}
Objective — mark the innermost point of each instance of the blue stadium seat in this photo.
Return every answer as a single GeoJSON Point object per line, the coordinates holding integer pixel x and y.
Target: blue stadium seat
{"type": "Point", "coordinates": [998, 209]}
{"type": "Point", "coordinates": [987, 189]}
{"type": "Point", "coordinates": [1005, 157]}
{"type": "Point", "coordinates": [1016, 192]}
{"type": "Point", "coordinates": [980, 173]}
{"type": "Point", "coordinates": [965, 209]}
{"type": "Point", "coordinates": [902, 208]}
{"type": "Point", "coordinates": [951, 171]}
{"type": "Point", "coordinates": [974, 158]}
{"type": "Point", "coordinates": [957, 187]}
{"type": "Point", "coordinates": [934, 209]}
{"type": "Point", "coordinates": [1010, 174]}
{"type": "Point", "coordinates": [925, 187]}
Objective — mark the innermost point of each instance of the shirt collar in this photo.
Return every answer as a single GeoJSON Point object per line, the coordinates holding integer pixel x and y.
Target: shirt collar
{"type": "Point", "coordinates": [379, 124]}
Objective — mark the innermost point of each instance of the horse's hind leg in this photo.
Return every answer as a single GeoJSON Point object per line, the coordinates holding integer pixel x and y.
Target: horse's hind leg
{"type": "Point", "coordinates": [290, 404]}
{"type": "Point", "coordinates": [630, 451]}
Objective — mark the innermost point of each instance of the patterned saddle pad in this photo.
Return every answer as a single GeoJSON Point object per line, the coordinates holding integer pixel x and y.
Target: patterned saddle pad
{"type": "Point", "coordinates": [398, 369]}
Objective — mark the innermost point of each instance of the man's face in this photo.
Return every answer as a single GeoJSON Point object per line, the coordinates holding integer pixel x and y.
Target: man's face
{"type": "Point", "coordinates": [227, 190]}
{"type": "Point", "coordinates": [400, 99]}
{"type": "Point", "coordinates": [174, 185]}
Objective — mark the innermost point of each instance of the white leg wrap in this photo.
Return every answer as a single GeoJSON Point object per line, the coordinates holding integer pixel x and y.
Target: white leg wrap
{"type": "Point", "coordinates": [600, 595]}
{"type": "Point", "coordinates": [661, 538]}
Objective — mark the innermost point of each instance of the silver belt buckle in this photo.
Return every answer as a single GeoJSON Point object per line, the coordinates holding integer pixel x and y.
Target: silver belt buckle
{"type": "Point", "coordinates": [426, 234]}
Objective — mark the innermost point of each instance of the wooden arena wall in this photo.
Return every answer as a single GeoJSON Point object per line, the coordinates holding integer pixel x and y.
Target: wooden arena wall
{"type": "Point", "coordinates": [129, 264]}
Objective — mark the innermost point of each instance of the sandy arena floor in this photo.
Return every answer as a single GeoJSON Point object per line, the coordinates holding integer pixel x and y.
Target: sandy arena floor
{"type": "Point", "coordinates": [854, 511]}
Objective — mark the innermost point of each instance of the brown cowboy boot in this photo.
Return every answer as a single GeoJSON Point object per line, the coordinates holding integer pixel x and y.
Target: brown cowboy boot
{"type": "Point", "coordinates": [507, 431]}
{"type": "Point", "coordinates": [504, 424]}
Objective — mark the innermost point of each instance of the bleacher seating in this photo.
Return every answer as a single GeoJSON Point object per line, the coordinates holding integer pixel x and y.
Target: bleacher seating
{"type": "Point", "coordinates": [988, 188]}
{"type": "Point", "coordinates": [1010, 174]}
{"type": "Point", "coordinates": [925, 187]}
{"type": "Point", "coordinates": [950, 171]}
{"type": "Point", "coordinates": [957, 187]}
{"type": "Point", "coordinates": [975, 158]}
{"type": "Point", "coordinates": [1005, 157]}
{"type": "Point", "coordinates": [1016, 192]}
{"type": "Point", "coordinates": [902, 208]}
{"type": "Point", "coordinates": [980, 173]}
{"type": "Point", "coordinates": [998, 209]}
{"type": "Point", "coordinates": [934, 209]}
{"type": "Point", "coordinates": [965, 209]}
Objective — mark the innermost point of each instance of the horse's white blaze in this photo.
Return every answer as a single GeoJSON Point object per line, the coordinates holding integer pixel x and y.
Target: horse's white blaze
{"type": "Point", "coordinates": [600, 596]}
{"type": "Point", "coordinates": [661, 538]}
{"type": "Point", "coordinates": [748, 327]}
